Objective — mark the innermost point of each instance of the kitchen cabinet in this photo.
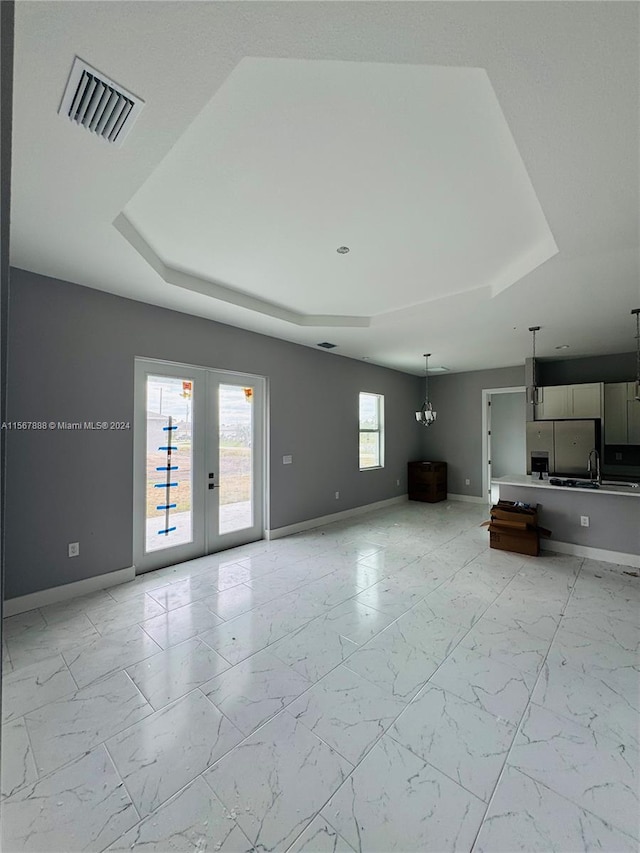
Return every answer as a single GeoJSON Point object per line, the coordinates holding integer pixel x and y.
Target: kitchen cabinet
{"type": "Point", "coordinates": [621, 414]}
{"type": "Point", "coordinates": [553, 404]}
{"type": "Point", "coordinates": [633, 420]}
{"type": "Point", "coordinates": [585, 401]}
{"type": "Point", "coordinates": [615, 413]}
{"type": "Point", "coordinates": [570, 401]}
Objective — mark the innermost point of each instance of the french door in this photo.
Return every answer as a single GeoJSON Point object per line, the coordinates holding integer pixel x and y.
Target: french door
{"type": "Point", "coordinates": [198, 462]}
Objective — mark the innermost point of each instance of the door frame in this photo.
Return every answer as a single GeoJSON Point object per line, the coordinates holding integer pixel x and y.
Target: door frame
{"type": "Point", "coordinates": [486, 437]}
{"type": "Point", "coordinates": [234, 538]}
{"type": "Point", "coordinates": [261, 430]}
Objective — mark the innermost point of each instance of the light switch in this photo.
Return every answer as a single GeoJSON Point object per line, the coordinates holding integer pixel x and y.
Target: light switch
{"type": "Point", "coordinates": [287, 460]}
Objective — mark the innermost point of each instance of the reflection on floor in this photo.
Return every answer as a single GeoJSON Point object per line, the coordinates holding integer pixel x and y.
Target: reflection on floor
{"type": "Point", "coordinates": [380, 684]}
{"type": "Point", "coordinates": [231, 517]}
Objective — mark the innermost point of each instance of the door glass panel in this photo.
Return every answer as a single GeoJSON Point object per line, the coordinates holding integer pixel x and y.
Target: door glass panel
{"type": "Point", "coordinates": [169, 488]}
{"type": "Point", "coordinates": [235, 463]}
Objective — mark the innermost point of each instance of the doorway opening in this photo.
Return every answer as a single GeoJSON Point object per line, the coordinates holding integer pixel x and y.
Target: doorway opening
{"type": "Point", "coordinates": [503, 436]}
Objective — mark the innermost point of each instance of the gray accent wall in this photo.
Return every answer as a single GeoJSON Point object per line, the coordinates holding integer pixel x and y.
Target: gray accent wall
{"type": "Point", "coordinates": [456, 436]}
{"type": "Point", "coordinates": [71, 352]}
{"type": "Point", "coordinates": [7, 11]}
{"type": "Point", "coordinates": [618, 367]}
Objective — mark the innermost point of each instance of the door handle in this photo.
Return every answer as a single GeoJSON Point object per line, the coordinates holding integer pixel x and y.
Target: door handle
{"type": "Point", "coordinates": [213, 486]}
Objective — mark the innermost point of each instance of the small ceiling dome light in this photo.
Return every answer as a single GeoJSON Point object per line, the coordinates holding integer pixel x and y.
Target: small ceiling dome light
{"type": "Point", "coordinates": [563, 346]}
{"type": "Point", "coordinates": [426, 416]}
{"type": "Point", "coordinates": [342, 250]}
{"type": "Point", "coordinates": [636, 311]}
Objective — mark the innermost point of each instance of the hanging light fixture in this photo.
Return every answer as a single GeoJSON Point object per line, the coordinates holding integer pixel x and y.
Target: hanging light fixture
{"type": "Point", "coordinates": [426, 416]}
{"type": "Point", "coordinates": [636, 311]}
{"type": "Point", "coordinates": [532, 390]}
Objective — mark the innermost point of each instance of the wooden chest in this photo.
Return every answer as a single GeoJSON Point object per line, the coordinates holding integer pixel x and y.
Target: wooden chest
{"type": "Point", "coordinates": [427, 481]}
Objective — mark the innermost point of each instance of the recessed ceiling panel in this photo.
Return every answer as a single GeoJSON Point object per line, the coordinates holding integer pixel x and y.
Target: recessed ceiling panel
{"type": "Point", "coordinates": [413, 168]}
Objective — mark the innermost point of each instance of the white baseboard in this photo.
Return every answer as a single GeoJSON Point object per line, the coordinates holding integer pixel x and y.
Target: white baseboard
{"type": "Point", "coordinates": [605, 556]}
{"type": "Point", "coordinates": [68, 590]}
{"type": "Point", "coordinates": [309, 524]}
{"type": "Point", "coordinates": [472, 499]}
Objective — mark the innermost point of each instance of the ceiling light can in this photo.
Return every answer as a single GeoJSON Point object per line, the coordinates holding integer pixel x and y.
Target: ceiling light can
{"type": "Point", "coordinates": [342, 250]}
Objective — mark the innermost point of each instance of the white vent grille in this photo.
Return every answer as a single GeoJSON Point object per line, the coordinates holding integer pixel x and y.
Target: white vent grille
{"type": "Point", "coordinates": [98, 104]}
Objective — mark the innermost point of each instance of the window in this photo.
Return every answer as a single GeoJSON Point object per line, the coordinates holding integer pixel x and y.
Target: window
{"type": "Point", "coordinates": [371, 431]}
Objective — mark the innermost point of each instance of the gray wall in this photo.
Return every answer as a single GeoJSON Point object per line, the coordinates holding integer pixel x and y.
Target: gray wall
{"type": "Point", "coordinates": [508, 434]}
{"type": "Point", "coordinates": [613, 519]}
{"type": "Point", "coordinates": [620, 367]}
{"type": "Point", "coordinates": [456, 436]}
{"type": "Point", "coordinates": [71, 352]}
{"type": "Point", "coordinates": [6, 98]}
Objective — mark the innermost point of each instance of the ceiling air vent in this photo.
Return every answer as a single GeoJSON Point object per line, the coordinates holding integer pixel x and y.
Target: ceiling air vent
{"type": "Point", "coordinates": [97, 103]}
{"type": "Point", "coordinates": [327, 345]}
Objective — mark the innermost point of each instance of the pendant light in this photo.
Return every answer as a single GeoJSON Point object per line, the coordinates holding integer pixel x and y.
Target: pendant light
{"type": "Point", "coordinates": [636, 311]}
{"type": "Point", "coordinates": [532, 390]}
{"type": "Point", "coordinates": [426, 416]}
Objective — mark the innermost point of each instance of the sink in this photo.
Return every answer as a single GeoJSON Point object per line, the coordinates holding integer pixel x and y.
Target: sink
{"type": "Point", "coordinates": [620, 483]}
{"type": "Point", "coordinates": [573, 483]}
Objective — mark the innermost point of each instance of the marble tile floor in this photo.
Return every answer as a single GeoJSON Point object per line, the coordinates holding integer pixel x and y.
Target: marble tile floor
{"type": "Point", "coordinates": [386, 683]}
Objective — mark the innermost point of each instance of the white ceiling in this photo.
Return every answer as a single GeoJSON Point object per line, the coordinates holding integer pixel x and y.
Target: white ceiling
{"type": "Point", "coordinates": [293, 158]}
{"type": "Point", "coordinates": [479, 159]}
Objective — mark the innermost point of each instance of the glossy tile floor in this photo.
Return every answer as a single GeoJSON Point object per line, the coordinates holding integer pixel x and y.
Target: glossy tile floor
{"type": "Point", "coordinates": [383, 684]}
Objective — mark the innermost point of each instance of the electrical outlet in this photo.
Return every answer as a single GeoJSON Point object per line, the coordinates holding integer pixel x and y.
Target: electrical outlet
{"type": "Point", "coordinates": [584, 520]}
{"type": "Point", "coordinates": [337, 495]}
{"type": "Point", "coordinates": [618, 457]}
{"type": "Point", "coordinates": [287, 460]}
{"type": "Point", "coordinates": [397, 482]}
{"type": "Point", "coordinates": [74, 549]}
{"type": "Point", "coordinates": [467, 482]}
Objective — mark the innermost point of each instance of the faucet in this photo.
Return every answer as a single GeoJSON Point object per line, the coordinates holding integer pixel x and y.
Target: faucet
{"type": "Point", "coordinates": [598, 476]}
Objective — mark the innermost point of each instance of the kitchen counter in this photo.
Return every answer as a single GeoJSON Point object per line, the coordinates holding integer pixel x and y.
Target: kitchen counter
{"type": "Point", "coordinates": [603, 524]}
{"type": "Point", "coordinates": [531, 481]}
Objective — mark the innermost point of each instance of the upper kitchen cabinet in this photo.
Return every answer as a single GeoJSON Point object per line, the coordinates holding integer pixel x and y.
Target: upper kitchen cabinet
{"type": "Point", "coordinates": [585, 401]}
{"type": "Point", "coordinates": [621, 414]}
{"type": "Point", "coordinates": [570, 401]}
{"type": "Point", "coordinates": [554, 403]}
{"type": "Point", "coordinates": [633, 420]}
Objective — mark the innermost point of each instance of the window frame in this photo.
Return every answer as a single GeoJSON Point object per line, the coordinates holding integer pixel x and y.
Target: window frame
{"type": "Point", "coordinates": [379, 431]}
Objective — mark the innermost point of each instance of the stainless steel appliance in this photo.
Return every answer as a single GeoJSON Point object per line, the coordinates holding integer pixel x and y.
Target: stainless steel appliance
{"type": "Point", "coordinates": [573, 441]}
{"type": "Point", "coordinates": [540, 438]}
{"type": "Point", "coordinates": [568, 443]}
